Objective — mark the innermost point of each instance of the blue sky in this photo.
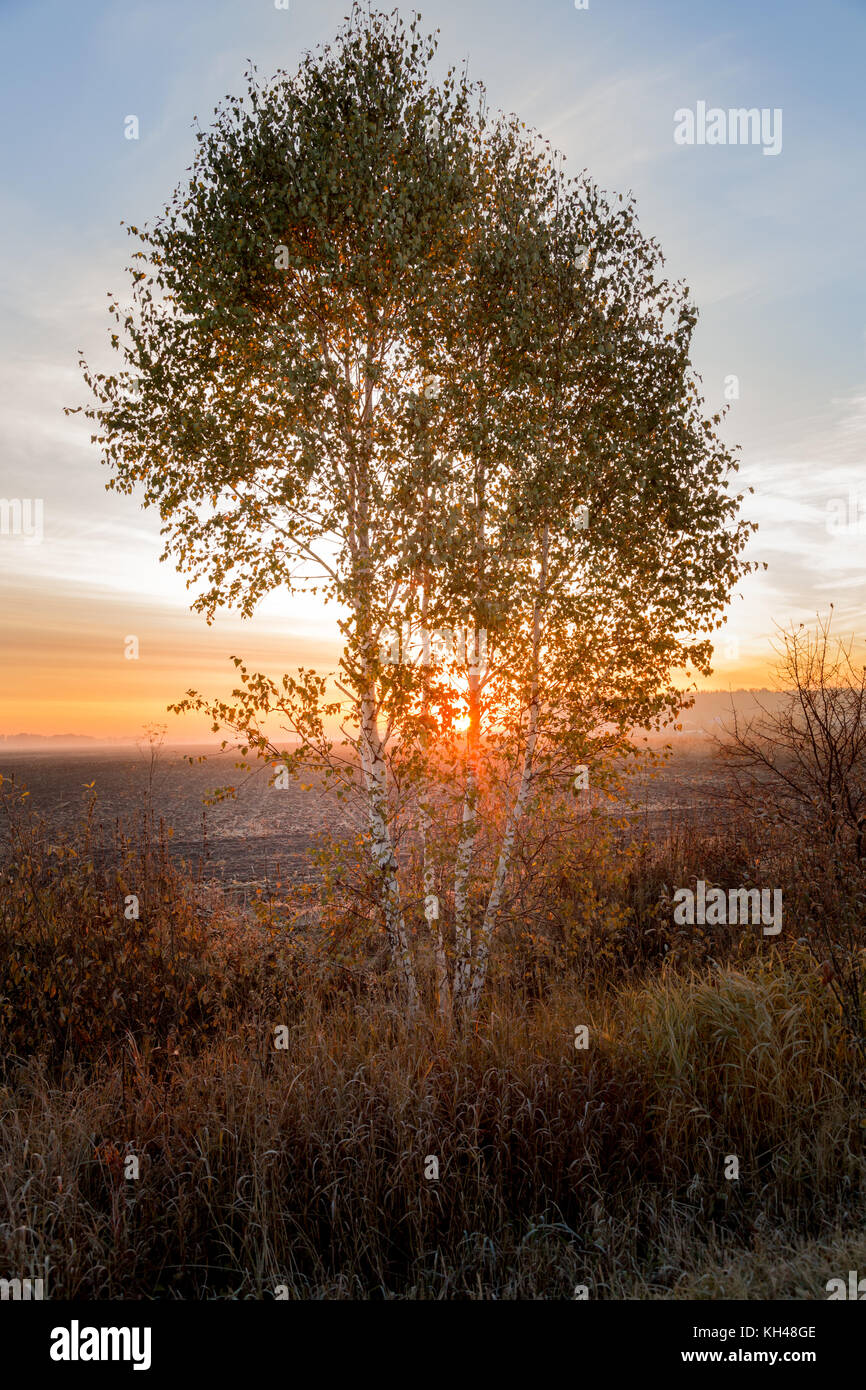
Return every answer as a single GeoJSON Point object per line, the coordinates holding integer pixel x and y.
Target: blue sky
{"type": "Point", "coordinates": [773, 249]}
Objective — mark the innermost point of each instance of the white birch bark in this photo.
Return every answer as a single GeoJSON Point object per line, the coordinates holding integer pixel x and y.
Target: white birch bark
{"type": "Point", "coordinates": [515, 815]}
{"type": "Point", "coordinates": [443, 985]}
{"type": "Point", "coordinates": [382, 851]}
{"type": "Point", "coordinates": [466, 851]}
{"type": "Point", "coordinates": [372, 760]}
{"type": "Point", "coordinates": [494, 902]}
{"type": "Point", "coordinates": [469, 825]}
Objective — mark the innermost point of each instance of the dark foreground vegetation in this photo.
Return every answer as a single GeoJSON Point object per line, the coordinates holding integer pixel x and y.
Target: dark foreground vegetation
{"type": "Point", "coordinates": [303, 1166]}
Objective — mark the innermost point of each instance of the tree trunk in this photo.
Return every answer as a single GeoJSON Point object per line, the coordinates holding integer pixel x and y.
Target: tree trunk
{"type": "Point", "coordinates": [443, 986]}
{"type": "Point", "coordinates": [466, 847]}
{"type": "Point", "coordinates": [494, 902]}
{"type": "Point", "coordinates": [382, 852]}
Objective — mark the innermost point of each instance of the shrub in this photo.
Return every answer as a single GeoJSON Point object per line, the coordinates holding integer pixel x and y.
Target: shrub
{"type": "Point", "coordinates": [77, 974]}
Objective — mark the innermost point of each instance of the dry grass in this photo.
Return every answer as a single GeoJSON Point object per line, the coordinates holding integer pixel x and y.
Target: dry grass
{"type": "Point", "coordinates": [305, 1167]}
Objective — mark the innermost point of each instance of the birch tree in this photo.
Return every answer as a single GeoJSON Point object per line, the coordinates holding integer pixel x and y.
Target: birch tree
{"type": "Point", "coordinates": [380, 348]}
{"type": "Point", "coordinates": [592, 534]}
{"type": "Point", "coordinates": [268, 400]}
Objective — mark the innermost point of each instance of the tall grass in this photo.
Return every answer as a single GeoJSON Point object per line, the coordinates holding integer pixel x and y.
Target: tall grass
{"type": "Point", "coordinates": [303, 1169]}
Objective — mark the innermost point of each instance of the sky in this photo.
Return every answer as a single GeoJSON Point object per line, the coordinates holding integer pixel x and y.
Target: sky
{"type": "Point", "coordinates": [771, 245]}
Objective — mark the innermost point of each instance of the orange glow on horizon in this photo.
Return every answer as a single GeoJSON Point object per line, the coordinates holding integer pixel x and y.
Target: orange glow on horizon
{"type": "Point", "coordinates": [64, 670]}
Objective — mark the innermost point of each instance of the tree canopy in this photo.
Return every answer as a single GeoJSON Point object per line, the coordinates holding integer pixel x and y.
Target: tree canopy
{"type": "Point", "coordinates": [381, 347]}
